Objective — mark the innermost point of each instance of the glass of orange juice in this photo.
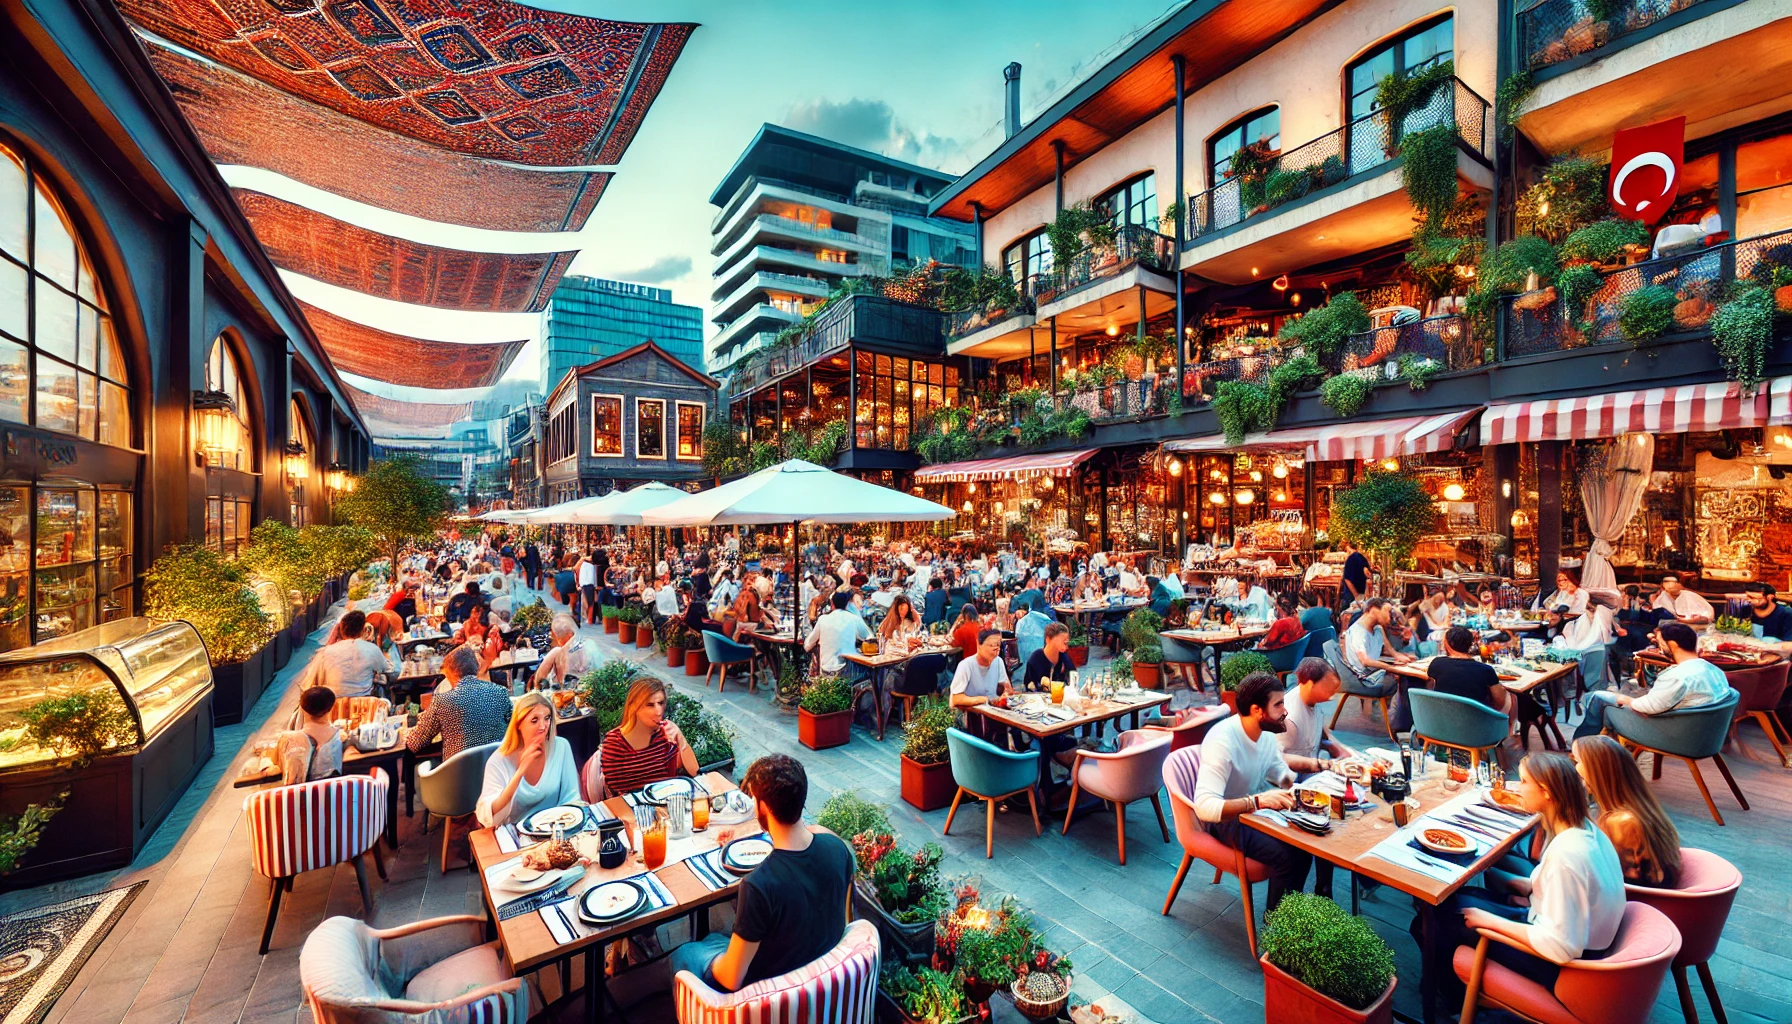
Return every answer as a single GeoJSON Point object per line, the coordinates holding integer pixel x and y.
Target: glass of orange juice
{"type": "Point", "coordinates": [1057, 691]}
{"type": "Point", "coordinates": [653, 845]}
{"type": "Point", "coordinates": [699, 813]}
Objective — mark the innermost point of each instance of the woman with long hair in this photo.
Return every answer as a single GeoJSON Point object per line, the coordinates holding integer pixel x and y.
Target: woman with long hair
{"type": "Point", "coordinates": [1568, 592]}
{"type": "Point", "coordinates": [1573, 901]}
{"type": "Point", "coordinates": [646, 746]}
{"type": "Point", "coordinates": [901, 621]}
{"type": "Point", "coordinates": [532, 768]}
{"type": "Point", "coordinates": [1631, 817]}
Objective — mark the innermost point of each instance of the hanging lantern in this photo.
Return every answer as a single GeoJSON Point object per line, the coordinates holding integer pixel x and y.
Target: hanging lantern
{"type": "Point", "coordinates": [1245, 497]}
{"type": "Point", "coordinates": [214, 424]}
{"type": "Point", "coordinates": [1280, 472]}
{"type": "Point", "coordinates": [1175, 467]}
{"type": "Point", "coordinates": [337, 479]}
{"type": "Point", "coordinates": [1217, 498]}
{"type": "Point", "coordinates": [297, 467]}
{"type": "Point", "coordinates": [1453, 492]}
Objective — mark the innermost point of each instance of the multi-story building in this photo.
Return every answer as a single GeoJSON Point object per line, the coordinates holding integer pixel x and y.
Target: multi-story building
{"type": "Point", "coordinates": [590, 318]}
{"type": "Point", "coordinates": [799, 214]}
{"type": "Point", "coordinates": [632, 417]}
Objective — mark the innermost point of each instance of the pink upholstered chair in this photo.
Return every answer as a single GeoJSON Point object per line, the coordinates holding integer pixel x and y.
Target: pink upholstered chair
{"type": "Point", "coordinates": [1698, 906]}
{"type": "Point", "coordinates": [1132, 772]}
{"type": "Point", "coordinates": [1180, 771]}
{"type": "Point", "coordinates": [313, 825]}
{"type": "Point", "coordinates": [591, 781]}
{"type": "Point", "coordinates": [438, 971]}
{"type": "Point", "coordinates": [1194, 725]}
{"type": "Point", "coordinates": [1620, 987]}
{"type": "Point", "coordinates": [839, 988]}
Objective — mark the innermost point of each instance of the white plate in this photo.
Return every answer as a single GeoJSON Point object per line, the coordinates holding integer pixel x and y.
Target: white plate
{"type": "Point", "coordinates": [567, 816]}
{"type": "Point", "coordinates": [657, 792]}
{"type": "Point", "coordinates": [743, 855]}
{"type": "Point", "coordinates": [1470, 847]}
{"type": "Point", "coordinates": [530, 879]}
{"type": "Point", "coordinates": [731, 808]}
{"type": "Point", "coordinates": [611, 901]}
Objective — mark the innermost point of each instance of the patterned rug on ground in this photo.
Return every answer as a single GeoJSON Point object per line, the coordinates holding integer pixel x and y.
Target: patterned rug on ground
{"type": "Point", "coordinates": [42, 950]}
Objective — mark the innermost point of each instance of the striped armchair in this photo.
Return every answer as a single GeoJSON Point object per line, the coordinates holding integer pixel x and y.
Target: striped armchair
{"type": "Point", "coordinates": [428, 972]}
{"type": "Point", "coordinates": [313, 825]}
{"type": "Point", "coordinates": [839, 988]}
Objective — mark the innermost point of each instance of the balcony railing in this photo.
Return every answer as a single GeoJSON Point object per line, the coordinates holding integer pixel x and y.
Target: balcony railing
{"type": "Point", "coordinates": [1445, 340]}
{"type": "Point", "coordinates": [969, 321]}
{"type": "Point", "coordinates": [1539, 321]}
{"type": "Point", "coordinates": [1133, 244]}
{"type": "Point", "coordinates": [1200, 379]}
{"type": "Point", "coordinates": [1123, 400]}
{"type": "Point", "coordinates": [1559, 30]}
{"type": "Point", "coordinates": [1361, 145]}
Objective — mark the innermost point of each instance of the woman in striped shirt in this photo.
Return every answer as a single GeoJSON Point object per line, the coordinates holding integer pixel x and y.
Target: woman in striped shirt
{"type": "Point", "coordinates": [646, 747]}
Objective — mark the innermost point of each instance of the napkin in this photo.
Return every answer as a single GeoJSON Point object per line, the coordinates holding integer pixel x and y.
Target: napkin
{"type": "Point", "coordinates": [565, 925]}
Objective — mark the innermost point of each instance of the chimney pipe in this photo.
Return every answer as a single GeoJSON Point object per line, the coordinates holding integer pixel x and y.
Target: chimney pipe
{"type": "Point", "coordinates": [1011, 76]}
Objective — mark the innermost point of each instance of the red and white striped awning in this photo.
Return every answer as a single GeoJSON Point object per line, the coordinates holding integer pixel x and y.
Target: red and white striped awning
{"type": "Point", "coordinates": [1779, 402]}
{"type": "Point", "coordinates": [1334, 442]}
{"type": "Point", "coordinates": [1048, 464]}
{"type": "Point", "coordinates": [1673, 410]}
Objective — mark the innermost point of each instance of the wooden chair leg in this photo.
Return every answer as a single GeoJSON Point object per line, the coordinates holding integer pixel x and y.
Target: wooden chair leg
{"type": "Point", "coordinates": [1768, 726]}
{"type": "Point", "coordinates": [989, 828]}
{"type": "Point", "coordinates": [1684, 990]}
{"type": "Point", "coordinates": [1387, 719]}
{"type": "Point", "coordinates": [1339, 710]}
{"type": "Point", "coordinates": [1176, 886]}
{"type": "Point", "coordinates": [1217, 875]}
{"type": "Point", "coordinates": [379, 859]}
{"type": "Point", "coordinates": [949, 814]}
{"type": "Point", "coordinates": [1655, 772]}
{"type": "Point", "coordinates": [359, 860]}
{"type": "Point", "coordinates": [1120, 829]}
{"type": "Point", "coordinates": [1472, 997]}
{"type": "Point", "coordinates": [1161, 824]}
{"type": "Point", "coordinates": [710, 673]}
{"type": "Point", "coordinates": [267, 930]}
{"type": "Point", "coordinates": [1736, 790]}
{"type": "Point", "coordinates": [1700, 779]}
{"type": "Point", "coordinates": [1070, 810]}
{"type": "Point", "coordinates": [447, 830]}
{"type": "Point", "coordinates": [1250, 911]}
{"type": "Point", "coordinates": [1033, 805]}
{"type": "Point", "coordinates": [1710, 986]}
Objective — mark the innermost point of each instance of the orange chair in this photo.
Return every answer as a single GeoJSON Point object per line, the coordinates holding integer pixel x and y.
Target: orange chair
{"type": "Point", "coordinates": [1698, 906]}
{"type": "Point", "coordinates": [1620, 987]}
{"type": "Point", "coordinates": [1193, 727]}
{"type": "Point", "coordinates": [1180, 772]}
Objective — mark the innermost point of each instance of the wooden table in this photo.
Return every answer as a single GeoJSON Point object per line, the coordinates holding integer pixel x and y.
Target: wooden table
{"type": "Point", "coordinates": [408, 643]}
{"type": "Point", "coordinates": [1550, 679]}
{"type": "Point", "coordinates": [1229, 638]}
{"type": "Point", "coordinates": [1090, 715]}
{"type": "Point", "coordinates": [886, 661]}
{"type": "Point", "coordinates": [1348, 845]}
{"type": "Point", "coordinates": [529, 946]}
{"type": "Point", "coordinates": [779, 645]}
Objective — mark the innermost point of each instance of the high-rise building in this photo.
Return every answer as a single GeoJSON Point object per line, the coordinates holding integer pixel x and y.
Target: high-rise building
{"type": "Point", "coordinates": [590, 318]}
{"type": "Point", "coordinates": [798, 215]}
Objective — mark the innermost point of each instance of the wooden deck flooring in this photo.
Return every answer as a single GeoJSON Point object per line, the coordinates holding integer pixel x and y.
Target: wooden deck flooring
{"type": "Point", "coordinates": [186, 949]}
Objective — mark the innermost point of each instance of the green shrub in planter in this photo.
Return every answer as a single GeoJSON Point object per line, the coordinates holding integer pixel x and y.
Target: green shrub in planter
{"type": "Point", "coordinates": [1742, 333]}
{"type": "Point", "coordinates": [197, 584]}
{"type": "Point", "coordinates": [827, 695]}
{"type": "Point", "coordinates": [1603, 241]}
{"type": "Point", "coordinates": [608, 611]}
{"type": "Point", "coordinates": [1647, 313]}
{"type": "Point", "coordinates": [1148, 654]}
{"type": "Point", "coordinates": [604, 690]}
{"type": "Point", "coordinates": [1346, 393]}
{"type": "Point", "coordinates": [1140, 629]}
{"type": "Point", "coordinates": [81, 725]}
{"type": "Point", "coordinates": [1238, 664]}
{"type": "Point", "coordinates": [1331, 952]}
{"type": "Point", "coordinates": [280, 553]}
{"type": "Point", "coordinates": [710, 735]}
{"type": "Point", "coordinates": [924, 995]}
{"type": "Point", "coordinates": [848, 814]}
{"type": "Point", "coordinates": [924, 735]}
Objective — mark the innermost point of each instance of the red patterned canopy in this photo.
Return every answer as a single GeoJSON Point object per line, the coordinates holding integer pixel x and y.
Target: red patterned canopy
{"type": "Point", "coordinates": [397, 359]}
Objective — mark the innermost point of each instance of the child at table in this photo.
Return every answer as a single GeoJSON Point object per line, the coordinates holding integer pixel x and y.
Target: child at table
{"type": "Point", "coordinates": [314, 750]}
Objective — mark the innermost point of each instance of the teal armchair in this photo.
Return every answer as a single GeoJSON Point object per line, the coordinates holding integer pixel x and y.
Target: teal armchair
{"type": "Point", "coordinates": [1690, 734]}
{"type": "Point", "coordinates": [989, 773]}
{"type": "Point", "coordinates": [1283, 659]}
{"type": "Point", "coordinates": [1446, 720]}
{"type": "Point", "coordinates": [1181, 658]}
{"type": "Point", "coordinates": [724, 654]}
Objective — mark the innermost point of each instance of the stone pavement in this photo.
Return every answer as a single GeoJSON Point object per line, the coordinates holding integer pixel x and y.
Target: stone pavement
{"type": "Point", "coordinates": [186, 948]}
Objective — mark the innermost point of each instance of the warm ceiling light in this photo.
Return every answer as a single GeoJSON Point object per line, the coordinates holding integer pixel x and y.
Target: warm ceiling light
{"type": "Point", "coordinates": [1453, 492]}
{"type": "Point", "coordinates": [1505, 488]}
{"type": "Point", "coordinates": [1253, 271]}
{"type": "Point", "coordinates": [1113, 331]}
{"type": "Point", "coordinates": [1217, 498]}
{"type": "Point", "coordinates": [1245, 497]}
{"type": "Point", "coordinates": [1320, 238]}
{"type": "Point", "coordinates": [1294, 300]}
{"type": "Point", "coordinates": [1280, 284]}
{"type": "Point", "coordinates": [1256, 476]}
{"type": "Point", "coordinates": [971, 487]}
{"type": "Point", "coordinates": [1175, 467]}
{"type": "Point", "coordinates": [967, 505]}
{"type": "Point", "coordinates": [1281, 495]}
{"type": "Point", "coordinates": [1280, 472]}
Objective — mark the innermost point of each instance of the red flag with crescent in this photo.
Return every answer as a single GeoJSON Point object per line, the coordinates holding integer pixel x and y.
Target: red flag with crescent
{"type": "Point", "coordinates": [1645, 173]}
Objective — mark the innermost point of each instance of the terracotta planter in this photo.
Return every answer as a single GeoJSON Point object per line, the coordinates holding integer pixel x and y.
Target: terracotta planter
{"type": "Point", "coordinates": [819, 732]}
{"type": "Point", "coordinates": [625, 632]}
{"type": "Point", "coordinates": [1782, 298]}
{"type": "Point", "coordinates": [612, 624]}
{"type": "Point", "coordinates": [978, 992]}
{"type": "Point", "coordinates": [696, 662]}
{"type": "Point", "coordinates": [1147, 675]}
{"type": "Point", "coordinates": [1230, 699]}
{"type": "Point", "coordinates": [927, 786]}
{"type": "Point", "coordinates": [675, 657]}
{"type": "Point", "coordinates": [1288, 1001]}
{"type": "Point", "coordinates": [1079, 656]}
{"type": "Point", "coordinates": [643, 636]}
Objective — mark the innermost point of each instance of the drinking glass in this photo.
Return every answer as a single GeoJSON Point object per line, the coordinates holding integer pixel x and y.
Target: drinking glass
{"type": "Point", "coordinates": [653, 845]}
{"type": "Point", "coordinates": [699, 813]}
{"type": "Point", "coordinates": [1057, 691]}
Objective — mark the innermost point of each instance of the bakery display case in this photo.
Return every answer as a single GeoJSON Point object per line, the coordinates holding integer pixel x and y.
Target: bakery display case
{"type": "Point", "coordinates": [279, 609]}
{"type": "Point", "coordinates": [117, 716]}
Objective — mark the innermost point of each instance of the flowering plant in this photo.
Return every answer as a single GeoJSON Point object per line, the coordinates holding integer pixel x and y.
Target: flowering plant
{"type": "Point", "coordinates": [992, 947]}
{"type": "Point", "coordinates": [907, 885]}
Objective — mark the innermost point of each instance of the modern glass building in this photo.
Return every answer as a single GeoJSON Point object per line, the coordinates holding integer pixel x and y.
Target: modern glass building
{"type": "Point", "coordinates": [590, 318]}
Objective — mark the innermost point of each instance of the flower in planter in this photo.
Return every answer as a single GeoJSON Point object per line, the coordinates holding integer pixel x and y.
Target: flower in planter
{"type": "Point", "coordinates": [907, 885]}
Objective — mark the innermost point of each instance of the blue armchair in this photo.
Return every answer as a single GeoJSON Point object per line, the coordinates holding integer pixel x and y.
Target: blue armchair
{"type": "Point", "coordinates": [1315, 619]}
{"type": "Point", "coordinates": [1283, 659]}
{"type": "Point", "coordinates": [1183, 658]}
{"type": "Point", "coordinates": [1690, 734]}
{"type": "Point", "coordinates": [989, 773]}
{"type": "Point", "coordinates": [724, 654]}
{"type": "Point", "coordinates": [1446, 720]}
{"type": "Point", "coordinates": [1358, 687]}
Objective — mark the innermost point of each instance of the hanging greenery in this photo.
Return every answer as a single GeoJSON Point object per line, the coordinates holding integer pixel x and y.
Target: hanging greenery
{"type": "Point", "coordinates": [1346, 393]}
{"type": "Point", "coordinates": [1428, 170]}
{"type": "Point", "coordinates": [1509, 101]}
{"type": "Point", "coordinates": [1324, 330]}
{"type": "Point", "coordinates": [1073, 224]}
{"type": "Point", "coordinates": [1742, 333]}
{"type": "Point", "coordinates": [1435, 256]}
{"type": "Point", "coordinates": [724, 452]}
{"type": "Point", "coordinates": [1508, 268]}
{"type": "Point", "coordinates": [1401, 94]}
{"type": "Point", "coordinates": [1603, 241]}
{"type": "Point", "coordinates": [1251, 165]}
{"type": "Point", "coordinates": [1386, 513]}
{"type": "Point", "coordinates": [982, 287]}
{"type": "Point", "coordinates": [1570, 195]}
{"type": "Point", "coordinates": [1243, 407]}
{"type": "Point", "coordinates": [1417, 371]}
{"type": "Point", "coordinates": [1292, 376]}
{"type": "Point", "coordinates": [1647, 313]}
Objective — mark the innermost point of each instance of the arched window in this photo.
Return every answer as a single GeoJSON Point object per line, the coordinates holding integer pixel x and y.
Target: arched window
{"type": "Point", "coordinates": [1421, 46]}
{"type": "Point", "coordinates": [222, 374]}
{"type": "Point", "coordinates": [1263, 126]}
{"type": "Point", "coordinates": [304, 444]}
{"type": "Point", "coordinates": [1027, 259]}
{"type": "Point", "coordinates": [1131, 203]}
{"type": "Point", "coordinates": [61, 368]}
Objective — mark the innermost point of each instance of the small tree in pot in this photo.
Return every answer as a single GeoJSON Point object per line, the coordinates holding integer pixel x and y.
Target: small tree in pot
{"type": "Point", "coordinates": [824, 717]}
{"type": "Point", "coordinates": [1138, 634]}
{"type": "Point", "coordinates": [627, 618]}
{"type": "Point", "coordinates": [1322, 965]}
{"type": "Point", "coordinates": [1079, 644]}
{"type": "Point", "coordinates": [696, 662]}
{"type": "Point", "coordinates": [1387, 514]}
{"type": "Point", "coordinates": [926, 766]}
{"type": "Point", "coordinates": [1233, 668]}
{"type": "Point", "coordinates": [611, 616]}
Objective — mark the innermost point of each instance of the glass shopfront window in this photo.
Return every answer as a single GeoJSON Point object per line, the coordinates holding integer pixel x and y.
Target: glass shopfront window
{"type": "Point", "coordinates": [690, 432]}
{"type": "Point", "coordinates": [223, 374]}
{"type": "Point", "coordinates": [65, 559]}
{"type": "Point", "coordinates": [299, 508]}
{"type": "Point", "coordinates": [606, 425]}
{"type": "Point", "coordinates": [896, 394]}
{"type": "Point", "coordinates": [227, 522]}
{"type": "Point", "coordinates": [650, 428]}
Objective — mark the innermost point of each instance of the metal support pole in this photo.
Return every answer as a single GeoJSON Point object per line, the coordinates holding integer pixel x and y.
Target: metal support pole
{"type": "Point", "coordinates": [1054, 377]}
{"type": "Point", "coordinates": [1176, 64]}
{"type": "Point", "coordinates": [1058, 172]}
{"type": "Point", "coordinates": [977, 221]}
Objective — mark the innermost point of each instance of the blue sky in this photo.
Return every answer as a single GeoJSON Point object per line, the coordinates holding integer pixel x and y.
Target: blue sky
{"type": "Point", "coordinates": [921, 80]}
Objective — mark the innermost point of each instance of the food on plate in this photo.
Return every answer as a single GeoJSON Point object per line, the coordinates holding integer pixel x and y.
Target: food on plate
{"type": "Point", "coordinates": [1445, 838]}
{"type": "Point", "coordinates": [1506, 798]}
{"type": "Point", "coordinates": [552, 855]}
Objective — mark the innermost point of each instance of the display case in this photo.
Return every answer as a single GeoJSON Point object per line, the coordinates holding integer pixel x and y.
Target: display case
{"type": "Point", "coordinates": [278, 609]}
{"type": "Point", "coordinates": [123, 723]}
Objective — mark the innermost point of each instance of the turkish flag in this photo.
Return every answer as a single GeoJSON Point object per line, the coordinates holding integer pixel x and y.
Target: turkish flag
{"type": "Point", "coordinates": [1645, 172]}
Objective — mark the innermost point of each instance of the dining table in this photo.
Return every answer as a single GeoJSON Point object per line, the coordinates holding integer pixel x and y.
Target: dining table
{"type": "Point", "coordinates": [893, 658]}
{"type": "Point", "coordinates": [1036, 716]}
{"type": "Point", "coordinates": [686, 885]}
{"type": "Point", "coordinates": [1369, 845]}
{"type": "Point", "coordinates": [1516, 679]}
{"type": "Point", "coordinates": [1218, 639]}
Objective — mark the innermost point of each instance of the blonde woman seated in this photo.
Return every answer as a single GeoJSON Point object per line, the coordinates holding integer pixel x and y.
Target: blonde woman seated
{"type": "Point", "coordinates": [1631, 817]}
{"type": "Point", "coordinates": [646, 747]}
{"type": "Point", "coordinates": [532, 769]}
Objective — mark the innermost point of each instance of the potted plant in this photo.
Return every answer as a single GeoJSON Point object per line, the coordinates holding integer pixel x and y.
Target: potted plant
{"type": "Point", "coordinates": [644, 632]}
{"type": "Point", "coordinates": [710, 736]}
{"type": "Point", "coordinates": [900, 892]}
{"type": "Point", "coordinates": [1147, 665]}
{"type": "Point", "coordinates": [1233, 668]}
{"type": "Point", "coordinates": [1385, 514]}
{"type": "Point", "coordinates": [926, 768]}
{"type": "Point", "coordinates": [824, 716]}
{"type": "Point", "coordinates": [1042, 986]}
{"type": "Point", "coordinates": [988, 949]}
{"type": "Point", "coordinates": [671, 635]}
{"type": "Point", "coordinates": [611, 616]}
{"type": "Point", "coordinates": [696, 661]}
{"type": "Point", "coordinates": [197, 584]}
{"type": "Point", "coordinates": [626, 618]}
{"type": "Point", "coordinates": [1079, 644]}
{"type": "Point", "coordinates": [1323, 966]}
{"type": "Point", "coordinates": [922, 995]}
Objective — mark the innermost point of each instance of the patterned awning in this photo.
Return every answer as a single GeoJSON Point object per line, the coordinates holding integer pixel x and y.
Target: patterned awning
{"type": "Point", "coordinates": [402, 419]}
{"type": "Point", "coordinates": [1337, 442]}
{"type": "Point", "coordinates": [414, 362]}
{"type": "Point", "coordinates": [1048, 464]}
{"type": "Point", "coordinates": [1670, 410]}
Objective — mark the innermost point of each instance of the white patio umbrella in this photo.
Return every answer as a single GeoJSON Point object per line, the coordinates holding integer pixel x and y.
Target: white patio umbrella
{"type": "Point", "coordinates": [497, 515]}
{"type": "Point", "coordinates": [625, 508]}
{"type": "Point", "coordinates": [556, 513]}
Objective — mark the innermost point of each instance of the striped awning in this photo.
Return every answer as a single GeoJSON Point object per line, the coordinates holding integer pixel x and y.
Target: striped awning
{"type": "Point", "coordinates": [1048, 464]}
{"type": "Point", "coordinates": [1673, 410]}
{"type": "Point", "coordinates": [1779, 402]}
{"type": "Point", "coordinates": [1335, 442]}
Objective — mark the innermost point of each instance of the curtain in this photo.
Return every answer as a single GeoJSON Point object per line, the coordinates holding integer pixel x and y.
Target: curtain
{"type": "Point", "coordinates": [1612, 489]}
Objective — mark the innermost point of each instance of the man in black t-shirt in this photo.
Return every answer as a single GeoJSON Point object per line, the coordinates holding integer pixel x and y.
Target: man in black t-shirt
{"type": "Point", "coordinates": [1355, 583]}
{"type": "Point", "coordinates": [1775, 619]}
{"type": "Point", "coordinates": [1050, 662]}
{"type": "Point", "coordinates": [1459, 674]}
{"type": "Point", "coordinates": [792, 908]}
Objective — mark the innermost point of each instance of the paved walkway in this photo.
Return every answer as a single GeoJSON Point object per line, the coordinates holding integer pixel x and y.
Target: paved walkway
{"type": "Point", "coordinates": [186, 949]}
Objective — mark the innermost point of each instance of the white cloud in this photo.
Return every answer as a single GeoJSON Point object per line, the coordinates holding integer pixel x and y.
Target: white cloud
{"type": "Point", "coordinates": [873, 125]}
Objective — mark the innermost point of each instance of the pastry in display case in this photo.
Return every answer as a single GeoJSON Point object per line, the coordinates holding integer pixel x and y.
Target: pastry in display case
{"type": "Point", "coordinates": [15, 567]}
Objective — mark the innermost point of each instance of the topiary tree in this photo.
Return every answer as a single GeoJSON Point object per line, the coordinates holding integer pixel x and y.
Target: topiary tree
{"type": "Point", "coordinates": [1327, 950]}
{"type": "Point", "coordinates": [1385, 513]}
{"type": "Point", "coordinates": [397, 502]}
